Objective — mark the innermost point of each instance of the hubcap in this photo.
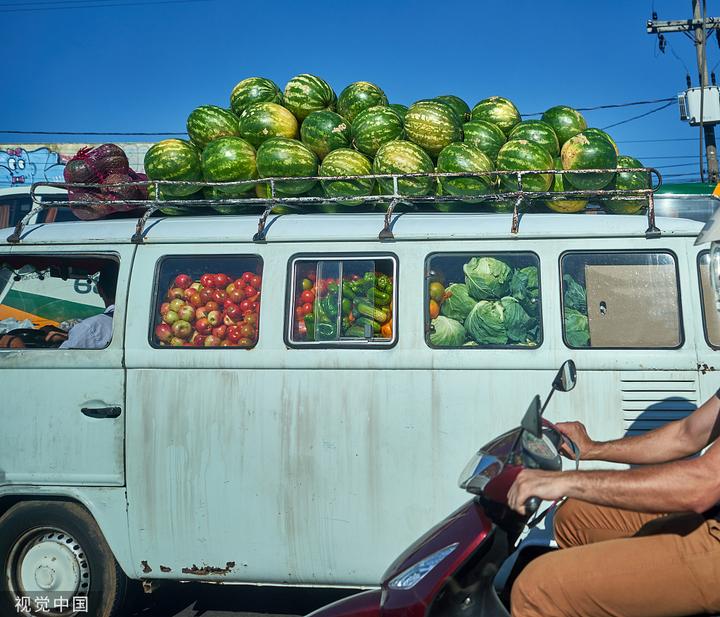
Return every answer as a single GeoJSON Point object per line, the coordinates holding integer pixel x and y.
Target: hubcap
{"type": "Point", "coordinates": [48, 563]}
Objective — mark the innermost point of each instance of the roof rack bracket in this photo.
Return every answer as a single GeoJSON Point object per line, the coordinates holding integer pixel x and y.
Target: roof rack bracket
{"type": "Point", "coordinates": [515, 229]}
{"type": "Point", "coordinates": [15, 236]}
{"type": "Point", "coordinates": [261, 235]}
{"type": "Point", "coordinates": [386, 233]}
{"type": "Point", "coordinates": [652, 231]}
{"type": "Point", "coordinates": [139, 235]}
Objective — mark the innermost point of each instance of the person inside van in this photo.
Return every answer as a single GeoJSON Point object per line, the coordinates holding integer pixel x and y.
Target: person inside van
{"type": "Point", "coordinates": [91, 333]}
{"type": "Point", "coordinates": [635, 542]}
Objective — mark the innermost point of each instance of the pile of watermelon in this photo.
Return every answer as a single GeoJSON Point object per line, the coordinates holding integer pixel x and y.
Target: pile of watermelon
{"type": "Point", "coordinates": [308, 132]}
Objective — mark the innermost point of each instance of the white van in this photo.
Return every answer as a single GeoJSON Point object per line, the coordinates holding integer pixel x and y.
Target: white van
{"type": "Point", "coordinates": [295, 455]}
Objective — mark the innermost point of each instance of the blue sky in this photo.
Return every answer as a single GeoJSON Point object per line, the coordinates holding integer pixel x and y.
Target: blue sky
{"type": "Point", "coordinates": [143, 66]}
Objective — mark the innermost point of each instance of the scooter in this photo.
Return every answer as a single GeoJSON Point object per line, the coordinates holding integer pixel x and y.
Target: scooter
{"type": "Point", "coordinates": [452, 569]}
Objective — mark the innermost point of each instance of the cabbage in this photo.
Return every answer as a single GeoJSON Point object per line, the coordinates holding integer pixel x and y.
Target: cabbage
{"type": "Point", "coordinates": [577, 329]}
{"type": "Point", "coordinates": [485, 323]}
{"type": "Point", "coordinates": [524, 288]}
{"type": "Point", "coordinates": [574, 297]}
{"type": "Point", "coordinates": [446, 332]}
{"type": "Point", "coordinates": [457, 303]}
{"type": "Point", "coordinates": [487, 278]}
{"type": "Point", "coordinates": [520, 327]}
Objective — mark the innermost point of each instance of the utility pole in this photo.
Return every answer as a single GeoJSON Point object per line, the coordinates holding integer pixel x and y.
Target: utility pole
{"type": "Point", "coordinates": [695, 25]}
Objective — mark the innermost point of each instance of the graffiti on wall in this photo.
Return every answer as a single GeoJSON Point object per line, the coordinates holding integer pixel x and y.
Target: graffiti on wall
{"type": "Point", "coordinates": [21, 167]}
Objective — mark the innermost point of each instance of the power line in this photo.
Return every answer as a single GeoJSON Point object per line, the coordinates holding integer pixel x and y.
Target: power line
{"type": "Point", "coordinates": [98, 6]}
{"type": "Point", "coordinates": [677, 165]}
{"type": "Point", "coordinates": [646, 141]}
{"type": "Point", "coordinates": [647, 113]}
{"type": "Point", "coordinates": [612, 106]}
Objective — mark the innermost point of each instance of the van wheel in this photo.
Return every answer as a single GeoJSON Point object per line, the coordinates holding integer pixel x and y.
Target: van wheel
{"type": "Point", "coordinates": [55, 550]}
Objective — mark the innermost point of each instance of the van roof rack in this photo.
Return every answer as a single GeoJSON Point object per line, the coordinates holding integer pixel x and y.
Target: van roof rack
{"type": "Point", "coordinates": [80, 197]}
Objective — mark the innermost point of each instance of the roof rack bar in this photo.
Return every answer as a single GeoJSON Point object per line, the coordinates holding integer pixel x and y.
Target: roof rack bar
{"type": "Point", "coordinates": [652, 231]}
{"type": "Point", "coordinates": [14, 237]}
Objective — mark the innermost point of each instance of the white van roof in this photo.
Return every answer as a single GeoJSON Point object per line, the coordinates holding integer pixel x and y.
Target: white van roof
{"type": "Point", "coordinates": [349, 227]}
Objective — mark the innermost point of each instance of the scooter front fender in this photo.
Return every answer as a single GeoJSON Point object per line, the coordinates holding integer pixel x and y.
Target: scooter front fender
{"type": "Point", "coordinates": [365, 604]}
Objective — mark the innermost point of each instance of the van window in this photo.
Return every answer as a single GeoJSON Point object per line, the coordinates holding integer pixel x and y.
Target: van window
{"type": "Point", "coordinates": [50, 301]}
{"type": "Point", "coordinates": [342, 301]}
{"type": "Point", "coordinates": [207, 301]}
{"type": "Point", "coordinates": [711, 317]}
{"type": "Point", "coordinates": [621, 300]}
{"type": "Point", "coordinates": [483, 300]}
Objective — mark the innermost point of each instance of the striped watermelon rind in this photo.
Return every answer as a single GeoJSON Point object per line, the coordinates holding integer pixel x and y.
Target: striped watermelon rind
{"type": "Point", "coordinates": [374, 127]}
{"type": "Point", "coordinates": [602, 133]}
{"type": "Point", "coordinates": [212, 192]}
{"type": "Point", "coordinates": [558, 204]}
{"type": "Point", "coordinates": [174, 159]}
{"type": "Point", "coordinates": [432, 126]}
{"type": "Point", "coordinates": [627, 181]}
{"type": "Point", "coordinates": [307, 93]}
{"type": "Point", "coordinates": [347, 162]}
{"type": "Point", "coordinates": [565, 121]}
{"type": "Point", "coordinates": [261, 121]}
{"type": "Point", "coordinates": [461, 157]}
{"type": "Point", "coordinates": [460, 107]}
{"type": "Point", "coordinates": [400, 109]}
{"type": "Point", "coordinates": [254, 90]}
{"type": "Point", "coordinates": [497, 110]}
{"type": "Point", "coordinates": [588, 152]}
{"type": "Point", "coordinates": [283, 157]}
{"type": "Point", "coordinates": [209, 122]}
{"type": "Point", "coordinates": [538, 132]}
{"type": "Point", "coordinates": [325, 131]}
{"type": "Point", "coordinates": [403, 157]}
{"type": "Point", "coordinates": [519, 155]}
{"type": "Point", "coordinates": [485, 136]}
{"type": "Point", "coordinates": [229, 159]}
{"type": "Point", "coordinates": [358, 96]}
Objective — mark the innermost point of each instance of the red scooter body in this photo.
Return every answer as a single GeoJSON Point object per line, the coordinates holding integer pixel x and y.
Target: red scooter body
{"type": "Point", "coordinates": [450, 570]}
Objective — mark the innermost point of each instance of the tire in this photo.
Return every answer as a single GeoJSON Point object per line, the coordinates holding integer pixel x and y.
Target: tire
{"type": "Point", "coordinates": [55, 549]}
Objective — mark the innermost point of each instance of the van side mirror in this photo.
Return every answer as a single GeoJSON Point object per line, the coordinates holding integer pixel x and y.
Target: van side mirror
{"type": "Point", "coordinates": [531, 420]}
{"type": "Point", "coordinates": [566, 377]}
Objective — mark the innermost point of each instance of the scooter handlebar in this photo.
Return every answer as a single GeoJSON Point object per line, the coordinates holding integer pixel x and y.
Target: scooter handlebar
{"type": "Point", "coordinates": [532, 505]}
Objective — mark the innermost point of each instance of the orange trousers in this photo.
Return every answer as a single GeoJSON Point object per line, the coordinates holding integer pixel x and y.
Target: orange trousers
{"type": "Point", "coordinates": [620, 563]}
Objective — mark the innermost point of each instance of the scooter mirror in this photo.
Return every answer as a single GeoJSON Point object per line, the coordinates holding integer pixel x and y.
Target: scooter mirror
{"type": "Point", "coordinates": [566, 377]}
{"type": "Point", "coordinates": [531, 420]}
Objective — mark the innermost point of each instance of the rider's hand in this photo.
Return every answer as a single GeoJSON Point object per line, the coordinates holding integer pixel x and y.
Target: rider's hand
{"type": "Point", "coordinates": [11, 342]}
{"type": "Point", "coordinates": [576, 432]}
{"type": "Point", "coordinates": [56, 337]}
{"type": "Point", "coordinates": [535, 483]}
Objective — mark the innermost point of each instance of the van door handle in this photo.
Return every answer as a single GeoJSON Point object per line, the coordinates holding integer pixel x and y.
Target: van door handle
{"type": "Point", "coordinates": [101, 412]}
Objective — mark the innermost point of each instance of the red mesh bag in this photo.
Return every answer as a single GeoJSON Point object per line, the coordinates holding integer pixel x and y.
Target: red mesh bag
{"type": "Point", "coordinates": [106, 164]}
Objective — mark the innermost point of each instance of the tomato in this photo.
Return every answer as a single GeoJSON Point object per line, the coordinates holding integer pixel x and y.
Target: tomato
{"type": "Point", "coordinates": [321, 287]}
{"type": "Point", "coordinates": [434, 308]}
{"type": "Point", "coordinates": [299, 312]}
{"type": "Point", "coordinates": [195, 300]}
{"type": "Point", "coordinates": [307, 308]}
{"type": "Point", "coordinates": [221, 280]}
{"type": "Point", "coordinates": [249, 291]}
{"type": "Point", "coordinates": [236, 295]}
{"type": "Point", "coordinates": [254, 306]}
{"type": "Point", "coordinates": [245, 306]}
{"type": "Point", "coordinates": [244, 342]}
{"type": "Point", "coordinates": [206, 294]}
{"type": "Point", "coordinates": [212, 306]}
{"type": "Point", "coordinates": [251, 318]}
{"type": "Point", "coordinates": [219, 296]}
{"type": "Point", "coordinates": [301, 328]}
{"type": "Point", "coordinates": [247, 331]}
{"type": "Point", "coordinates": [307, 284]}
{"type": "Point", "coordinates": [207, 280]}
{"type": "Point", "coordinates": [307, 296]}
{"type": "Point", "coordinates": [312, 276]}
{"type": "Point", "coordinates": [437, 290]}
{"type": "Point", "coordinates": [256, 281]}
{"type": "Point", "coordinates": [247, 277]}
{"type": "Point", "coordinates": [220, 331]}
{"type": "Point", "coordinates": [233, 334]}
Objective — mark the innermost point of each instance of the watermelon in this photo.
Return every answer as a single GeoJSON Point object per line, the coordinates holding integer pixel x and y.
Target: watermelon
{"type": "Point", "coordinates": [591, 151]}
{"type": "Point", "coordinates": [262, 190]}
{"type": "Point", "coordinates": [212, 192]}
{"type": "Point", "coordinates": [539, 133]}
{"type": "Point", "coordinates": [306, 93]}
{"type": "Point", "coordinates": [499, 111]}
{"type": "Point", "coordinates": [261, 121]}
{"type": "Point", "coordinates": [520, 154]}
{"type": "Point", "coordinates": [432, 126]}
{"type": "Point", "coordinates": [347, 162]}
{"type": "Point", "coordinates": [463, 157]}
{"type": "Point", "coordinates": [400, 110]}
{"type": "Point", "coordinates": [325, 131]}
{"type": "Point", "coordinates": [404, 157]}
{"type": "Point", "coordinates": [460, 107]}
{"type": "Point", "coordinates": [229, 159]}
{"type": "Point", "coordinates": [374, 127]}
{"type": "Point", "coordinates": [605, 135]}
{"type": "Point", "coordinates": [357, 97]}
{"type": "Point", "coordinates": [558, 185]}
{"type": "Point", "coordinates": [174, 210]}
{"type": "Point", "coordinates": [627, 181]}
{"type": "Point", "coordinates": [254, 90]}
{"type": "Point", "coordinates": [566, 122]}
{"type": "Point", "coordinates": [174, 159]}
{"type": "Point", "coordinates": [283, 157]}
{"type": "Point", "coordinates": [209, 122]}
{"type": "Point", "coordinates": [485, 136]}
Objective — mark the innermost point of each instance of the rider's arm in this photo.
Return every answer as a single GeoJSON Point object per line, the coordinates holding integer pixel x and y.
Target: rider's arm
{"type": "Point", "coordinates": [679, 486]}
{"type": "Point", "coordinates": [670, 442]}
